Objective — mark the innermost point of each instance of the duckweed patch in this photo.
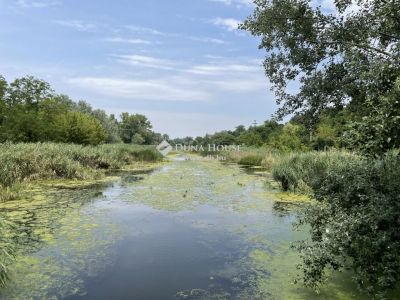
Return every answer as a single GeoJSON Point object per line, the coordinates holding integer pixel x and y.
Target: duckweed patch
{"type": "Point", "coordinates": [184, 185]}
{"type": "Point", "coordinates": [292, 197]}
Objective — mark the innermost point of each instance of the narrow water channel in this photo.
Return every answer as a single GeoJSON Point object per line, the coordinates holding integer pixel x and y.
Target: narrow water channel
{"type": "Point", "coordinates": [188, 230]}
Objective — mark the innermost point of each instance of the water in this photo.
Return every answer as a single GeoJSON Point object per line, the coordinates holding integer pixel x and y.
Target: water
{"type": "Point", "coordinates": [189, 230]}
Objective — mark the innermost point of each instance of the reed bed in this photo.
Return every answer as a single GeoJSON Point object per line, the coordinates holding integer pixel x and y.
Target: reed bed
{"type": "Point", "coordinates": [21, 163]}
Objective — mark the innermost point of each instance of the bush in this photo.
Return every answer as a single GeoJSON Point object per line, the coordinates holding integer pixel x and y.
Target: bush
{"type": "Point", "coordinates": [355, 224]}
{"type": "Point", "coordinates": [79, 128]}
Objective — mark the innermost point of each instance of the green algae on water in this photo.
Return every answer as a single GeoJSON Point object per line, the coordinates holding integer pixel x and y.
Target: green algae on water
{"type": "Point", "coordinates": [57, 240]}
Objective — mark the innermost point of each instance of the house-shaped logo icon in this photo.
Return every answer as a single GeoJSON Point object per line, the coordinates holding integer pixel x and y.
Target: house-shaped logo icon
{"type": "Point", "coordinates": [164, 148]}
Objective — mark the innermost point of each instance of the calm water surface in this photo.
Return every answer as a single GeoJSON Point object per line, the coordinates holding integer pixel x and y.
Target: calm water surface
{"type": "Point", "coordinates": [189, 230]}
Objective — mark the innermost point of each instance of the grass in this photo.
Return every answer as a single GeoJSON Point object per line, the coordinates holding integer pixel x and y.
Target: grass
{"type": "Point", "coordinates": [251, 156]}
{"type": "Point", "coordinates": [20, 163]}
{"type": "Point", "coordinates": [297, 172]}
{"type": "Point", "coordinates": [6, 253]}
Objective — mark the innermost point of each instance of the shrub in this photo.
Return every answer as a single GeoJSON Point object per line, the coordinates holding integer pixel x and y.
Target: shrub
{"type": "Point", "coordinates": [355, 224]}
{"type": "Point", "coordinates": [79, 128]}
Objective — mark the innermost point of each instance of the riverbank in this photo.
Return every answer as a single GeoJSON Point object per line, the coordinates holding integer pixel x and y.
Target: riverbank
{"type": "Point", "coordinates": [295, 172]}
{"type": "Point", "coordinates": [23, 163]}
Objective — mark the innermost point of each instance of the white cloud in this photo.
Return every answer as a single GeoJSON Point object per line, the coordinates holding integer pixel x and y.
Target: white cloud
{"type": "Point", "coordinates": [208, 40]}
{"type": "Point", "coordinates": [181, 81]}
{"type": "Point", "coordinates": [37, 4]}
{"type": "Point", "coordinates": [217, 66]}
{"type": "Point", "coordinates": [127, 41]}
{"type": "Point", "coordinates": [146, 30]}
{"type": "Point", "coordinates": [239, 76]}
{"type": "Point", "coordinates": [151, 31]}
{"type": "Point", "coordinates": [146, 61]}
{"type": "Point", "coordinates": [218, 69]}
{"type": "Point", "coordinates": [77, 25]}
{"type": "Point", "coordinates": [227, 23]}
{"type": "Point", "coordinates": [237, 3]}
{"type": "Point", "coordinates": [171, 89]}
{"type": "Point", "coordinates": [241, 85]}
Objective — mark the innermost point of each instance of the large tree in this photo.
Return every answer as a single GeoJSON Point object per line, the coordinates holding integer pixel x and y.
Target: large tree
{"type": "Point", "coordinates": [29, 91]}
{"type": "Point", "coordinates": [342, 57]}
{"type": "Point", "coordinates": [133, 125]}
{"type": "Point", "coordinates": [347, 60]}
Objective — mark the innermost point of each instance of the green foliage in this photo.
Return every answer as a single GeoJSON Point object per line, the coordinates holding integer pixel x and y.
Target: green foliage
{"type": "Point", "coordinates": [325, 137]}
{"type": "Point", "coordinates": [28, 90]}
{"type": "Point", "coordinates": [239, 130]}
{"type": "Point", "coordinates": [347, 64]}
{"type": "Point", "coordinates": [258, 135]}
{"type": "Point", "coordinates": [3, 87]}
{"type": "Point", "coordinates": [355, 223]}
{"type": "Point", "coordinates": [343, 61]}
{"type": "Point", "coordinates": [78, 128]}
{"type": "Point", "coordinates": [331, 53]}
{"type": "Point", "coordinates": [31, 112]}
{"type": "Point", "coordinates": [134, 124]}
{"type": "Point", "coordinates": [109, 124]}
{"type": "Point", "coordinates": [223, 138]}
{"type": "Point", "coordinates": [19, 124]}
{"type": "Point", "coordinates": [138, 139]}
{"type": "Point", "coordinates": [251, 138]}
{"type": "Point", "coordinates": [288, 138]}
{"type": "Point", "coordinates": [379, 131]}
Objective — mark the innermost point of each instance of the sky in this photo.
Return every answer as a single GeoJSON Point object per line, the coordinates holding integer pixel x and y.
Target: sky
{"type": "Point", "coordinates": [182, 63]}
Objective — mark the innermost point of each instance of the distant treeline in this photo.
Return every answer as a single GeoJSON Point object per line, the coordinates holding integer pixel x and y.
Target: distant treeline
{"type": "Point", "coordinates": [30, 111]}
{"type": "Point", "coordinates": [329, 132]}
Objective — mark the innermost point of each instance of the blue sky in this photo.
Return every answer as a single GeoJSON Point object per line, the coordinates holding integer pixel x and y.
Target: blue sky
{"type": "Point", "coordinates": [182, 63]}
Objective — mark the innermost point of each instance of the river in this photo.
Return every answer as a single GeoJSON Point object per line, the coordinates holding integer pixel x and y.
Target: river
{"type": "Point", "coordinates": [190, 229]}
